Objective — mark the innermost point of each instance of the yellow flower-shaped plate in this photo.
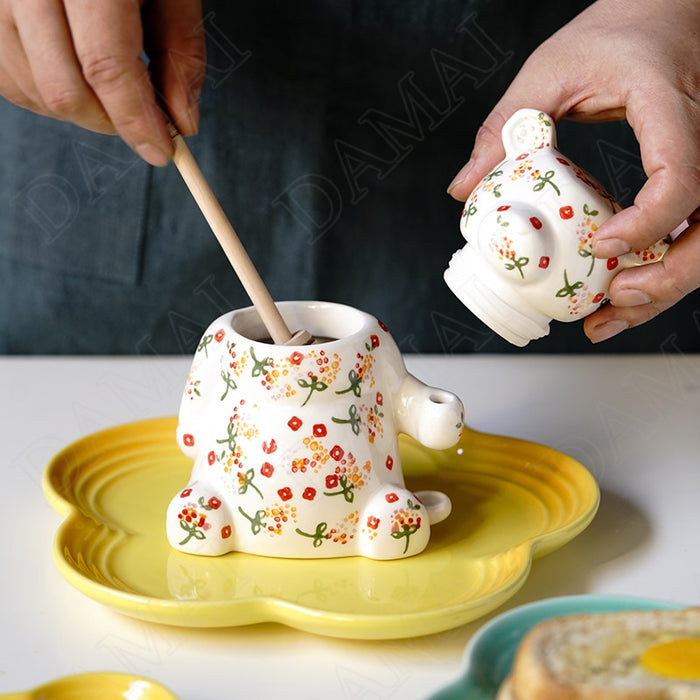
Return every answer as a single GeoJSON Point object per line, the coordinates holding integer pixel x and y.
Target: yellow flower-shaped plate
{"type": "Point", "coordinates": [512, 500]}
{"type": "Point", "coordinates": [88, 686]}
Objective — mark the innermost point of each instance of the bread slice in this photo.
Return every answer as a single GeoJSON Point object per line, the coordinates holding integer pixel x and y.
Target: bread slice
{"type": "Point", "coordinates": [606, 657]}
{"type": "Point", "coordinates": [506, 692]}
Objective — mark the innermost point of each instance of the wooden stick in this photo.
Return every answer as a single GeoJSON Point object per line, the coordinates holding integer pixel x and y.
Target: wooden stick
{"type": "Point", "coordinates": [231, 244]}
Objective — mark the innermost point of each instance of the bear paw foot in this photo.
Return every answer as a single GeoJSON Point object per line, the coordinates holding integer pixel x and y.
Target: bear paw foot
{"type": "Point", "coordinates": [198, 522]}
{"type": "Point", "coordinates": [395, 525]}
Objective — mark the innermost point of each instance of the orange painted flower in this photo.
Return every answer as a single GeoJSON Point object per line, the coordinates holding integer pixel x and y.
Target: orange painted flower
{"type": "Point", "coordinates": [269, 446]}
{"type": "Point", "coordinates": [566, 212]}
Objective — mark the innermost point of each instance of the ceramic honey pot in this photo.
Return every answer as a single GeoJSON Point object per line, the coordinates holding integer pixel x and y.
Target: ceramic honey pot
{"type": "Point", "coordinates": [529, 225]}
{"type": "Point", "coordinates": [295, 448]}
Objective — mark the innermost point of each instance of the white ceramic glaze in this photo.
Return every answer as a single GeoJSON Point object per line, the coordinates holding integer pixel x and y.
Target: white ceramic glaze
{"type": "Point", "coordinates": [295, 447]}
{"type": "Point", "coordinates": [529, 226]}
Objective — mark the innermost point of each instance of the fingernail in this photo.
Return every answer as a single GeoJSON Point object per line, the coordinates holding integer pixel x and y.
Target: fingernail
{"type": "Point", "coordinates": [611, 248]}
{"type": "Point", "coordinates": [631, 297]}
{"type": "Point", "coordinates": [152, 154]}
{"type": "Point", "coordinates": [460, 176]}
{"type": "Point", "coordinates": [608, 330]}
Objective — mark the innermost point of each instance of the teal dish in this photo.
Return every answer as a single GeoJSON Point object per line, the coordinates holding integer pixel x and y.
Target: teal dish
{"type": "Point", "coordinates": [490, 652]}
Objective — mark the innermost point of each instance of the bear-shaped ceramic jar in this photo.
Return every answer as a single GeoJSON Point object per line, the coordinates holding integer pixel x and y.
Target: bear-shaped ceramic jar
{"type": "Point", "coordinates": [529, 226]}
{"type": "Point", "coordinates": [295, 448]}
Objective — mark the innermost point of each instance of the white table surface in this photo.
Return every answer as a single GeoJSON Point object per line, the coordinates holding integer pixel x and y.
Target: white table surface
{"type": "Point", "coordinates": [633, 421]}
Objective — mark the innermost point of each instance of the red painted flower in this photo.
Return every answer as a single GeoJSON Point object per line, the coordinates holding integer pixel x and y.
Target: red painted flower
{"type": "Point", "coordinates": [295, 423]}
{"type": "Point", "coordinates": [269, 447]}
{"type": "Point", "coordinates": [563, 161]}
{"type": "Point", "coordinates": [188, 439]}
{"type": "Point", "coordinates": [296, 357]}
{"type": "Point", "coordinates": [598, 297]}
{"type": "Point", "coordinates": [214, 503]}
{"type": "Point", "coordinates": [185, 493]}
{"type": "Point", "coordinates": [612, 263]}
{"type": "Point", "coordinates": [544, 262]}
{"type": "Point", "coordinates": [391, 497]}
{"type": "Point", "coordinates": [566, 212]}
{"type": "Point", "coordinates": [337, 452]}
{"type": "Point", "coordinates": [383, 327]}
{"type": "Point", "coordinates": [373, 522]}
{"type": "Point", "coordinates": [309, 493]}
{"type": "Point", "coordinates": [374, 341]}
{"type": "Point", "coordinates": [219, 336]}
{"type": "Point", "coordinates": [522, 156]}
{"type": "Point", "coordinates": [536, 223]}
{"type": "Point", "coordinates": [285, 494]}
{"type": "Point", "coordinates": [389, 462]}
{"type": "Point", "coordinates": [267, 469]}
{"type": "Point", "coordinates": [211, 458]}
{"type": "Point", "coordinates": [225, 532]}
{"type": "Point", "coordinates": [320, 430]}
{"type": "Point", "coordinates": [331, 481]}
{"type": "Point", "coordinates": [380, 398]}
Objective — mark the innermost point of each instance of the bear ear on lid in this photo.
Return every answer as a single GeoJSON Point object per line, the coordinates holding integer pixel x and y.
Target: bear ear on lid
{"type": "Point", "coordinates": [526, 131]}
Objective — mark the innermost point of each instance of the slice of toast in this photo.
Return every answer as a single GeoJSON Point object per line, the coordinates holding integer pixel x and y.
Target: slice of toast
{"type": "Point", "coordinates": [607, 656]}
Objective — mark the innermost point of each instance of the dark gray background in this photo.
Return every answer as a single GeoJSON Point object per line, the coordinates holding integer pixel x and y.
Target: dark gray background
{"type": "Point", "coordinates": [330, 131]}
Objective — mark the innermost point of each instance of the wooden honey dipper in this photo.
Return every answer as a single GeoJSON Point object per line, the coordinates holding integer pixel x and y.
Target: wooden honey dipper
{"type": "Point", "coordinates": [233, 248]}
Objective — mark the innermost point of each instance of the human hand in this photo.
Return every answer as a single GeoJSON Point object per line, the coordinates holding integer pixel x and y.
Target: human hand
{"type": "Point", "coordinates": [80, 61]}
{"type": "Point", "coordinates": [638, 61]}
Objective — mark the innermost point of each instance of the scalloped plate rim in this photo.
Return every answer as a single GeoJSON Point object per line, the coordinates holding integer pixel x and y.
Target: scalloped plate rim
{"type": "Point", "coordinates": [268, 609]}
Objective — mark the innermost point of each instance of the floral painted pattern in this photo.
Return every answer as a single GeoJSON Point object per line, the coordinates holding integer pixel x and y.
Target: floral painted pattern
{"type": "Point", "coordinates": [193, 517]}
{"type": "Point", "coordinates": [296, 447]}
{"type": "Point", "coordinates": [405, 522]}
{"type": "Point", "coordinates": [529, 226]}
{"type": "Point", "coordinates": [506, 242]}
{"type": "Point", "coordinates": [505, 251]}
{"type": "Point", "coordinates": [586, 227]}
